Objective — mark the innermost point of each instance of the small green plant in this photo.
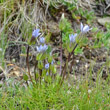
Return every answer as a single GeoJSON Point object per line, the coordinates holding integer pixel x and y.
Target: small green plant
{"type": "Point", "coordinates": [106, 37]}
{"type": "Point", "coordinates": [44, 67]}
{"type": "Point", "coordinates": [78, 12]}
{"type": "Point", "coordinates": [100, 38]}
{"type": "Point", "coordinates": [71, 42]}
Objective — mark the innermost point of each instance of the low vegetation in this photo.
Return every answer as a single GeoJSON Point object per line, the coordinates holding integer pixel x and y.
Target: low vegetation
{"type": "Point", "coordinates": [62, 67]}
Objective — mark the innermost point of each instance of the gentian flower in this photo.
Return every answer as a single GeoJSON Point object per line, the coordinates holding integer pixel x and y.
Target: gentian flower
{"type": "Point", "coordinates": [42, 48]}
{"type": "Point", "coordinates": [42, 40]}
{"type": "Point", "coordinates": [47, 74]}
{"type": "Point", "coordinates": [72, 37]}
{"type": "Point", "coordinates": [52, 62]}
{"type": "Point", "coordinates": [36, 33]}
{"type": "Point", "coordinates": [47, 66]}
{"type": "Point", "coordinates": [45, 47]}
{"type": "Point", "coordinates": [39, 48]}
{"type": "Point", "coordinates": [85, 29]}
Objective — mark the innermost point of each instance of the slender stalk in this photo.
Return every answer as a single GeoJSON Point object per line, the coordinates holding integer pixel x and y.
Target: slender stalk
{"type": "Point", "coordinates": [27, 62]}
{"type": "Point", "coordinates": [72, 52]}
{"type": "Point", "coordinates": [61, 55]}
{"type": "Point", "coordinates": [72, 63]}
{"type": "Point", "coordinates": [40, 72]}
{"type": "Point", "coordinates": [63, 73]}
{"type": "Point", "coordinates": [49, 70]}
{"type": "Point", "coordinates": [35, 72]}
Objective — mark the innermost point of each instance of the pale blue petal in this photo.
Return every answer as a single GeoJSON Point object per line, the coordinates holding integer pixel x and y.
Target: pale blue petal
{"type": "Point", "coordinates": [42, 40]}
{"type": "Point", "coordinates": [72, 37]}
{"type": "Point", "coordinates": [36, 33]}
{"type": "Point", "coordinates": [45, 47]}
{"type": "Point", "coordinates": [52, 62]}
{"type": "Point", "coordinates": [38, 49]}
{"type": "Point", "coordinates": [47, 66]}
{"type": "Point", "coordinates": [81, 27]}
{"type": "Point", "coordinates": [47, 74]}
{"type": "Point", "coordinates": [86, 29]}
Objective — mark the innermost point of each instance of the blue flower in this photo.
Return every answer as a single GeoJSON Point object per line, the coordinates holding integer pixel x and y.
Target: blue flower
{"type": "Point", "coordinates": [72, 37]}
{"type": "Point", "coordinates": [47, 74]}
{"type": "Point", "coordinates": [85, 29]}
{"type": "Point", "coordinates": [42, 48]}
{"type": "Point", "coordinates": [36, 33]}
{"type": "Point", "coordinates": [52, 62]}
{"type": "Point", "coordinates": [42, 40]}
{"type": "Point", "coordinates": [47, 66]}
{"type": "Point", "coordinates": [45, 47]}
{"type": "Point", "coordinates": [39, 48]}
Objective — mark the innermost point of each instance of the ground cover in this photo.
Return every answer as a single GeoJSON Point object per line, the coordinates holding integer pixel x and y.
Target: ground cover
{"type": "Point", "coordinates": [54, 55]}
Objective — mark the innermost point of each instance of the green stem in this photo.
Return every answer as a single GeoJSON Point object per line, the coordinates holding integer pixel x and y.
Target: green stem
{"type": "Point", "coordinates": [35, 72]}
{"type": "Point", "coordinates": [61, 55]}
{"type": "Point", "coordinates": [40, 72]}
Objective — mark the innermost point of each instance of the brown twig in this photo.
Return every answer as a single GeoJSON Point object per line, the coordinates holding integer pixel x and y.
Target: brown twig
{"type": "Point", "coordinates": [72, 63]}
{"type": "Point", "coordinates": [63, 73]}
{"type": "Point", "coordinates": [27, 62]}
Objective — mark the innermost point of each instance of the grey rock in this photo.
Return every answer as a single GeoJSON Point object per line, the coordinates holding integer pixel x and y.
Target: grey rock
{"type": "Point", "coordinates": [53, 28]}
{"type": "Point", "coordinates": [103, 21]}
